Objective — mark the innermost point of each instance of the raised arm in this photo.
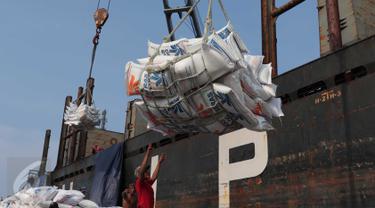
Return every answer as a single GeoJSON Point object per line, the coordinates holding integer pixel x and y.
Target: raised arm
{"type": "Point", "coordinates": [156, 171]}
{"type": "Point", "coordinates": [144, 162]}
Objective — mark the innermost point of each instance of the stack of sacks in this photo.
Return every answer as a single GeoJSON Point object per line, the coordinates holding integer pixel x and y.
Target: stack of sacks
{"type": "Point", "coordinates": [43, 197]}
{"type": "Point", "coordinates": [82, 116]}
{"type": "Point", "coordinates": [211, 86]}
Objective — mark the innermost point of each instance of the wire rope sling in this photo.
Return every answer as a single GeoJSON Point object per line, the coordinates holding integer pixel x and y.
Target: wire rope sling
{"type": "Point", "coordinates": [84, 115]}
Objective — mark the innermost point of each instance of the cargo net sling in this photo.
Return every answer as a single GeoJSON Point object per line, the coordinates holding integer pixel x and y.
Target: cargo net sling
{"type": "Point", "coordinates": [209, 84]}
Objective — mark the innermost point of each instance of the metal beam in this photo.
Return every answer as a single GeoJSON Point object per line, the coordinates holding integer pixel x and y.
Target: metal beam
{"type": "Point", "coordinates": [168, 15]}
{"type": "Point", "coordinates": [177, 9]}
{"type": "Point", "coordinates": [291, 4]}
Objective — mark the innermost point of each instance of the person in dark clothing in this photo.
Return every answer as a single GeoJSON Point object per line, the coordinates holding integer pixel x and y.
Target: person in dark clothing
{"type": "Point", "coordinates": [143, 183]}
{"type": "Point", "coordinates": [129, 197]}
{"type": "Point", "coordinates": [53, 205]}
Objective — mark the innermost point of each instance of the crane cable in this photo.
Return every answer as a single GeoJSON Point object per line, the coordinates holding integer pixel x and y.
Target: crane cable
{"type": "Point", "coordinates": [100, 16]}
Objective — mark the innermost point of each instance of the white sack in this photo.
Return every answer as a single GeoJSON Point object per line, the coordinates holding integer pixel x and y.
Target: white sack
{"type": "Point", "coordinates": [176, 107]}
{"type": "Point", "coordinates": [153, 122]}
{"type": "Point", "coordinates": [274, 105]}
{"type": "Point", "coordinates": [265, 74]}
{"type": "Point", "coordinates": [254, 89]}
{"type": "Point", "coordinates": [69, 197]}
{"type": "Point", "coordinates": [24, 197]}
{"type": "Point", "coordinates": [88, 204]}
{"type": "Point", "coordinates": [133, 73]}
{"type": "Point", "coordinates": [156, 84]}
{"type": "Point", "coordinates": [254, 63]}
{"type": "Point", "coordinates": [188, 73]}
{"type": "Point", "coordinates": [233, 104]}
{"type": "Point", "coordinates": [43, 193]}
{"type": "Point", "coordinates": [173, 48]}
{"type": "Point", "coordinates": [189, 46]}
{"type": "Point", "coordinates": [159, 61]}
{"type": "Point", "coordinates": [82, 116]}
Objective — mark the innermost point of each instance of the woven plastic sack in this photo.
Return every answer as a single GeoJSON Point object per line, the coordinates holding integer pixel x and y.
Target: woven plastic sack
{"type": "Point", "coordinates": [153, 122]}
{"type": "Point", "coordinates": [176, 107]}
{"type": "Point", "coordinates": [158, 61]}
{"type": "Point", "coordinates": [83, 116]}
{"type": "Point", "coordinates": [254, 63]}
{"type": "Point", "coordinates": [265, 74]}
{"type": "Point", "coordinates": [88, 204]}
{"type": "Point", "coordinates": [69, 197]}
{"type": "Point", "coordinates": [25, 198]}
{"type": "Point", "coordinates": [226, 31]}
{"type": "Point", "coordinates": [189, 46]}
{"type": "Point", "coordinates": [174, 48]}
{"type": "Point", "coordinates": [43, 193]}
{"type": "Point", "coordinates": [218, 123]}
{"type": "Point", "coordinates": [230, 101]}
{"type": "Point", "coordinates": [189, 73]}
{"type": "Point", "coordinates": [133, 73]}
{"type": "Point", "coordinates": [254, 89]}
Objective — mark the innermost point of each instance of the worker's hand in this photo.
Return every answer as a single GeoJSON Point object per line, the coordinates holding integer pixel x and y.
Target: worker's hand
{"type": "Point", "coordinates": [149, 147]}
{"type": "Point", "coordinates": [162, 158]}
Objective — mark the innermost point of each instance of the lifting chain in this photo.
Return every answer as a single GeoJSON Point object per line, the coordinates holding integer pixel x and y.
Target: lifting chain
{"type": "Point", "coordinates": [100, 17]}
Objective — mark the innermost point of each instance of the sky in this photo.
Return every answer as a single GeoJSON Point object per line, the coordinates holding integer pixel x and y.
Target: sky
{"type": "Point", "coordinates": [45, 48]}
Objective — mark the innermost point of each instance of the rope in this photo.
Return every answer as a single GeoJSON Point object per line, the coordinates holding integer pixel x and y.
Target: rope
{"type": "Point", "coordinates": [108, 5]}
{"type": "Point", "coordinates": [208, 23]}
{"type": "Point", "coordinates": [95, 42]}
{"type": "Point", "coordinates": [92, 59]}
{"type": "Point", "coordinates": [199, 18]}
{"type": "Point", "coordinates": [97, 7]}
{"type": "Point", "coordinates": [227, 18]}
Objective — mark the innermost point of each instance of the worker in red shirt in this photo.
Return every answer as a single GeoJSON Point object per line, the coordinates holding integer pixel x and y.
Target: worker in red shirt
{"type": "Point", "coordinates": [143, 183]}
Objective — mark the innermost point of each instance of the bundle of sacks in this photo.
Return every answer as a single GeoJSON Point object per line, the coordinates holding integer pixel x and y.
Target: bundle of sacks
{"type": "Point", "coordinates": [43, 197]}
{"type": "Point", "coordinates": [82, 116]}
{"type": "Point", "coordinates": [204, 85]}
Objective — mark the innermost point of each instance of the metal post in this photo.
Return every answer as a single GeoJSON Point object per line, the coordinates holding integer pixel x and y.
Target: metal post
{"type": "Point", "coordinates": [89, 90]}
{"type": "Point", "coordinates": [168, 17]}
{"type": "Point", "coordinates": [168, 11]}
{"type": "Point", "coordinates": [47, 137]}
{"type": "Point", "coordinates": [83, 133]}
{"type": "Point", "coordinates": [73, 142]}
{"type": "Point", "coordinates": [194, 20]}
{"type": "Point", "coordinates": [64, 130]}
{"type": "Point", "coordinates": [334, 30]}
{"type": "Point", "coordinates": [79, 95]}
{"type": "Point", "coordinates": [269, 39]}
{"type": "Point", "coordinates": [82, 144]}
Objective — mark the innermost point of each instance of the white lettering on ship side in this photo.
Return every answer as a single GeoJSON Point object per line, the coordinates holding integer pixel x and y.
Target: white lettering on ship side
{"type": "Point", "coordinates": [238, 170]}
{"type": "Point", "coordinates": [243, 169]}
{"type": "Point", "coordinates": [154, 163]}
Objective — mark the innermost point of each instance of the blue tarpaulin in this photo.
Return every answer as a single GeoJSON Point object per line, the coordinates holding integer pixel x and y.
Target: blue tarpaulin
{"type": "Point", "coordinates": [106, 183]}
